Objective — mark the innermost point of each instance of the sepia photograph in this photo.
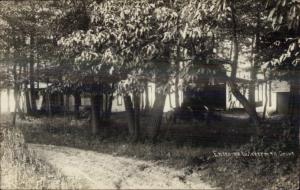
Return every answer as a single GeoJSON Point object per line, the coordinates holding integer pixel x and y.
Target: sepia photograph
{"type": "Point", "coordinates": [150, 94]}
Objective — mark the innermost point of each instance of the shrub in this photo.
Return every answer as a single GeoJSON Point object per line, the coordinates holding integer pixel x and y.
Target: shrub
{"type": "Point", "coordinates": [259, 164]}
{"type": "Point", "coordinates": [21, 169]}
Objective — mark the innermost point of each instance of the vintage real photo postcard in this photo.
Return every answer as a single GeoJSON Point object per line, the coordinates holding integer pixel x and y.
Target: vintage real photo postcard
{"type": "Point", "coordinates": [150, 94]}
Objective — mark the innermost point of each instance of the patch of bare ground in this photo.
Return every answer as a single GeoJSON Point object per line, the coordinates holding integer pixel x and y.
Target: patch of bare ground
{"type": "Point", "coordinates": [104, 171]}
{"type": "Point", "coordinates": [20, 168]}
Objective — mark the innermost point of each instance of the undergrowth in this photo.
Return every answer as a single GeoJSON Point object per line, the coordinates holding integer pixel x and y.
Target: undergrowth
{"type": "Point", "coordinates": [229, 172]}
{"type": "Point", "coordinates": [259, 164]}
{"type": "Point", "coordinates": [22, 169]}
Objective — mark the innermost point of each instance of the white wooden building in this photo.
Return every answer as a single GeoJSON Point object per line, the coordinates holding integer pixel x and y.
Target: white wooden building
{"type": "Point", "coordinates": [274, 94]}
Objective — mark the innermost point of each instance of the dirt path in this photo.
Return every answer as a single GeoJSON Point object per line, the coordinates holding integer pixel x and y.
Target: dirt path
{"type": "Point", "coordinates": [95, 170]}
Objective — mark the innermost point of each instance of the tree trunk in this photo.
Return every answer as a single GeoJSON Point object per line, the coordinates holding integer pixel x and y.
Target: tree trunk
{"type": "Point", "coordinates": [61, 103]}
{"type": "Point", "coordinates": [136, 104]}
{"type": "Point", "coordinates": [247, 106]}
{"type": "Point", "coordinates": [108, 105]}
{"type": "Point", "coordinates": [96, 104]}
{"type": "Point", "coordinates": [253, 79]}
{"type": "Point", "coordinates": [177, 65]}
{"type": "Point", "coordinates": [155, 121]}
{"type": "Point", "coordinates": [31, 78]}
{"type": "Point", "coordinates": [255, 65]}
{"type": "Point", "coordinates": [106, 97]}
{"type": "Point", "coordinates": [66, 107]}
{"type": "Point", "coordinates": [8, 92]}
{"type": "Point", "coordinates": [27, 99]}
{"type": "Point", "coordinates": [49, 102]}
{"type": "Point", "coordinates": [142, 100]}
{"type": "Point", "coordinates": [130, 114]}
{"type": "Point", "coordinates": [294, 102]}
{"type": "Point", "coordinates": [133, 115]}
{"type": "Point", "coordinates": [8, 100]}
{"type": "Point", "coordinates": [234, 88]}
{"type": "Point", "coordinates": [147, 103]}
{"type": "Point", "coordinates": [17, 104]}
{"type": "Point", "coordinates": [110, 102]}
{"type": "Point", "coordinates": [26, 91]}
{"type": "Point", "coordinates": [294, 106]}
{"type": "Point", "coordinates": [235, 42]}
{"type": "Point", "coordinates": [77, 104]}
{"type": "Point", "coordinates": [170, 100]}
{"type": "Point", "coordinates": [266, 101]}
{"type": "Point", "coordinates": [67, 104]}
{"type": "Point", "coordinates": [252, 93]}
{"type": "Point", "coordinates": [102, 103]}
{"type": "Point", "coordinates": [20, 111]}
{"type": "Point", "coordinates": [0, 103]}
{"type": "Point", "coordinates": [15, 94]}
